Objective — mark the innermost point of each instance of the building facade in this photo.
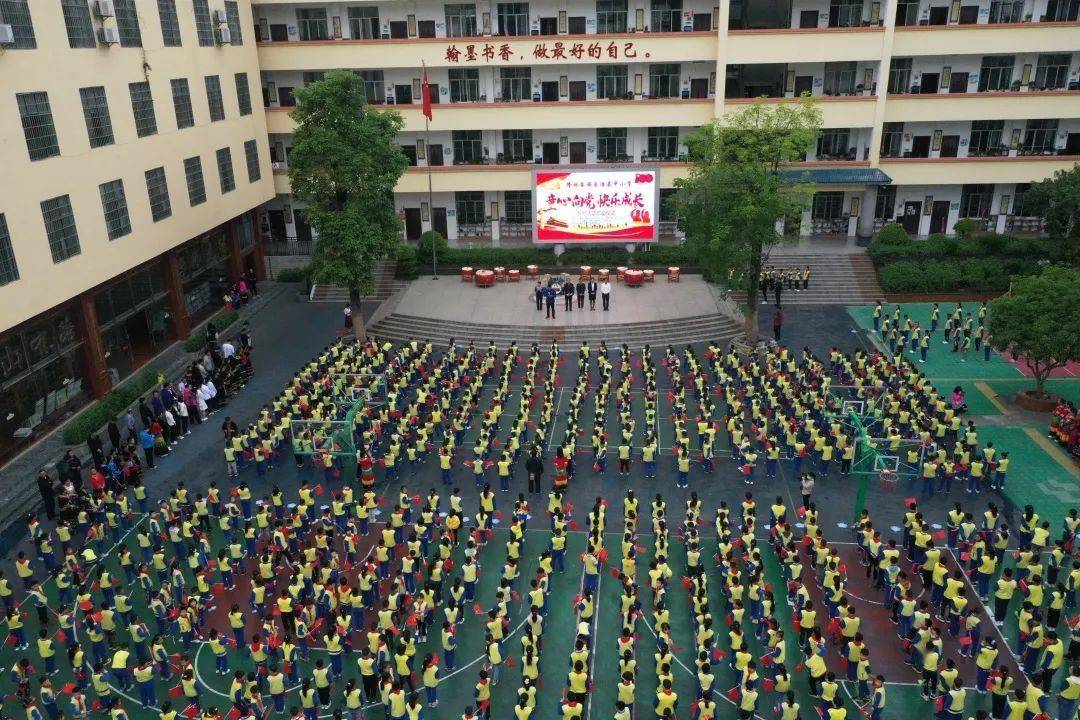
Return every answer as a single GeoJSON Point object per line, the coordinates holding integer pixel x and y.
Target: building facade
{"type": "Point", "coordinates": [134, 154]}
{"type": "Point", "coordinates": [934, 110]}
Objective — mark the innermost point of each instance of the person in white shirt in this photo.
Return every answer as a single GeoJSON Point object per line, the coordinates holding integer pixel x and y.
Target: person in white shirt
{"type": "Point", "coordinates": [605, 293]}
{"type": "Point", "coordinates": [227, 350]}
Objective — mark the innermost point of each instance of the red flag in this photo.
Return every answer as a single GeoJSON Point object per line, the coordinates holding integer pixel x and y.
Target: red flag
{"type": "Point", "coordinates": [426, 92]}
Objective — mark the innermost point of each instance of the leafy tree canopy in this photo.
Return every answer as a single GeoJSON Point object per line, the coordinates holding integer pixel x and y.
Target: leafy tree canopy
{"type": "Point", "coordinates": [1057, 199]}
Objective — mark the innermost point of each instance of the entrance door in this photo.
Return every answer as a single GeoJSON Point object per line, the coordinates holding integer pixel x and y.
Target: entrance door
{"type": "Point", "coordinates": [958, 83]}
{"type": "Point", "coordinates": [804, 84]}
{"type": "Point", "coordinates": [550, 153]}
{"type": "Point", "coordinates": [939, 216]}
{"type": "Point", "coordinates": [434, 90]}
{"type": "Point", "coordinates": [1072, 145]}
{"type": "Point", "coordinates": [549, 91]}
{"type": "Point", "coordinates": [438, 220]}
{"type": "Point", "coordinates": [920, 146]}
{"type": "Point", "coordinates": [969, 14]}
{"type": "Point", "coordinates": [549, 26]}
{"type": "Point", "coordinates": [929, 83]}
{"type": "Point", "coordinates": [576, 25]}
{"type": "Point", "coordinates": [702, 22]}
{"type": "Point", "coordinates": [403, 94]}
{"type": "Point", "coordinates": [279, 33]}
{"type": "Point", "coordinates": [303, 230]}
{"type": "Point", "coordinates": [399, 29]}
{"type": "Point", "coordinates": [808, 19]}
{"type": "Point", "coordinates": [410, 154]}
{"type": "Point", "coordinates": [425, 28]}
{"type": "Point", "coordinates": [413, 229]}
{"type": "Point", "coordinates": [939, 16]}
{"type": "Point", "coordinates": [577, 153]}
{"type": "Point", "coordinates": [577, 89]}
{"type": "Point", "coordinates": [912, 215]}
{"type": "Point", "coordinates": [699, 88]}
{"type": "Point", "coordinates": [435, 155]}
{"type": "Point", "coordinates": [950, 145]}
{"type": "Point", "coordinates": [276, 218]}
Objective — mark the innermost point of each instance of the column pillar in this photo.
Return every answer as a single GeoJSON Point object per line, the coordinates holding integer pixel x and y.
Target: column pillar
{"type": "Point", "coordinates": [866, 213]}
{"type": "Point", "coordinates": [260, 249]}
{"type": "Point", "coordinates": [174, 293]}
{"type": "Point", "coordinates": [95, 369]}
{"type": "Point", "coordinates": [234, 266]}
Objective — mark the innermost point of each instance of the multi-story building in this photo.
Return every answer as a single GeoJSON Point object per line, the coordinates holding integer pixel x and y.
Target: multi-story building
{"type": "Point", "coordinates": [934, 110]}
{"type": "Point", "coordinates": [133, 154]}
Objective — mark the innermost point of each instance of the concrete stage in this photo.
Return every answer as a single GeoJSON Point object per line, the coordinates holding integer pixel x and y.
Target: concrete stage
{"type": "Point", "coordinates": [454, 301]}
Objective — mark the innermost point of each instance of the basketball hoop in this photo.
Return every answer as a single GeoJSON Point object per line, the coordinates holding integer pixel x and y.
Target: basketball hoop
{"type": "Point", "coordinates": [887, 480]}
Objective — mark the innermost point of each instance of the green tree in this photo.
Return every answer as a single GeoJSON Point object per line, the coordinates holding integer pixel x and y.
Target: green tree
{"type": "Point", "coordinates": [1038, 320]}
{"type": "Point", "coordinates": [1057, 199]}
{"type": "Point", "coordinates": [739, 186]}
{"type": "Point", "coordinates": [345, 163]}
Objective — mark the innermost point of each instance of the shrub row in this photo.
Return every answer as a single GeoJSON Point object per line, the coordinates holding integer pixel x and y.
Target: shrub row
{"type": "Point", "coordinates": [953, 275]}
{"type": "Point", "coordinates": [942, 246]}
{"type": "Point", "coordinates": [108, 407]}
{"type": "Point", "coordinates": [293, 274]}
{"type": "Point", "coordinates": [658, 255]}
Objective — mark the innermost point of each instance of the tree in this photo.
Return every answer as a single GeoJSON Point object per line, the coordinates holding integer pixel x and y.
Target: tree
{"type": "Point", "coordinates": [345, 163]}
{"type": "Point", "coordinates": [739, 190]}
{"type": "Point", "coordinates": [1057, 200]}
{"type": "Point", "coordinates": [1038, 320]}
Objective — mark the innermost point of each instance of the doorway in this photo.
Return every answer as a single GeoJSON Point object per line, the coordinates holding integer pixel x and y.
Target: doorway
{"type": "Point", "coordinates": [279, 33]}
{"type": "Point", "coordinates": [413, 228]}
{"type": "Point", "coordinates": [929, 83]}
{"type": "Point", "coordinates": [702, 22]}
{"type": "Point", "coordinates": [549, 91]}
{"type": "Point", "coordinates": [410, 154]}
{"type": "Point", "coordinates": [435, 155]}
{"type": "Point", "coordinates": [399, 29]}
{"type": "Point", "coordinates": [804, 84]}
{"type": "Point", "coordinates": [576, 25]}
{"type": "Point", "coordinates": [549, 26]}
{"type": "Point", "coordinates": [577, 153]}
{"type": "Point", "coordinates": [438, 221]}
{"type": "Point", "coordinates": [958, 83]}
{"type": "Point", "coordinates": [303, 230]}
{"type": "Point", "coordinates": [276, 218]}
{"type": "Point", "coordinates": [808, 19]}
{"type": "Point", "coordinates": [939, 216]}
{"type": "Point", "coordinates": [433, 93]}
{"type": "Point", "coordinates": [699, 87]}
{"type": "Point", "coordinates": [912, 216]}
{"type": "Point", "coordinates": [550, 153]}
{"type": "Point", "coordinates": [425, 28]}
{"type": "Point", "coordinates": [1072, 145]}
{"type": "Point", "coordinates": [950, 146]}
{"type": "Point", "coordinates": [939, 16]}
{"type": "Point", "coordinates": [920, 146]}
{"type": "Point", "coordinates": [403, 94]}
{"type": "Point", "coordinates": [577, 90]}
{"type": "Point", "coordinates": [969, 14]}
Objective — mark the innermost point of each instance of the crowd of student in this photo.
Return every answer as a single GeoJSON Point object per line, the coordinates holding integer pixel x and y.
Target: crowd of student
{"type": "Point", "coordinates": [900, 332]}
{"type": "Point", "coordinates": [1065, 427]}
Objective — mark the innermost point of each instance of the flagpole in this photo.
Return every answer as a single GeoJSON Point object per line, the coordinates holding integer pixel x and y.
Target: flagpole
{"type": "Point", "coordinates": [427, 152]}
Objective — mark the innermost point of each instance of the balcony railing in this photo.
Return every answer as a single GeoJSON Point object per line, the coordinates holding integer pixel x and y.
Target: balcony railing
{"type": "Point", "coordinates": [474, 229]}
{"type": "Point", "coordinates": [289, 247]}
{"type": "Point", "coordinates": [513, 229]}
{"type": "Point", "coordinates": [676, 29]}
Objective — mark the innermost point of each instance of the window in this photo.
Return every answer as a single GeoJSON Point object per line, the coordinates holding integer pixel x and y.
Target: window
{"type": "Point", "coordinates": [885, 203]}
{"type": "Point", "coordinates": [1039, 136]}
{"type": "Point", "coordinates": [611, 144]}
{"type": "Point", "coordinates": [158, 190]}
{"type": "Point", "coordinates": [667, 209]}
{"type": "Point", "coordinates": [312, 76]}
{"type": "Point", "coordinates": [513, 18]}
{"type": "Point", "coordinates": [251, 154]}
{"type": "Point", "coordinates": [181, 97]}
{"type": "Point", "coordinates": [96, 112]}
{"type": "Point", "coordinates": [517, 145]}
{"type": "Point", "coordinates": [1052, 72]}
{"type": "Point", "coordinates": [1019, 207]}
{"type": "Point", "coordinates": [611, 82]}
{"type": "Point", "coordinates": [666, 16]}
{"type": "Point", "coordinates": [243, 93]}
{"type": "Point", "coordinates": [996, 72]}
{"type": "Point", "coordinates": [364, 23]}
{"type": "Point", "coordinates": [460, 20]}
{"type": "Point", "coordinates": [127, 23]}
{"type": "Point", "coordinates": [232, 20]}
{"type": "Point", "coordinates": [892, 139]}
{"type": "Point", "coordinates": [985, 136]}
{"type": "Point", "coordinates": [374, 87]}
{"type": "Point", "coordinates": [827, 206]}
{"type": "Point", "coordinates": [610, 16]}
{"type": "Point", "coordinates": [1006, 11]}
{"type": "Point", "coordinates": [900, 75]}
{"type": "Point", "coordinates": [664, 80]}
{"type": "Point", "coordinates": [833, 143]}
{"type": "Point", "coordinates": [9, 271]}
{"type": "Point", "coordinates": [840, 78]}
{"type": "Point", "coordinates": [225, 170]}
{"type": "Point", "coordinates": [213, 97]}
{"type": "Point", "coordinates": [663, 143]}
{"type": "Point", "coordinates": [170, 23]}
{"type": "Point", "coordinates": [516, 83]}
{"type": "Point", "coordinates": [845, 13]}
{"type": "Point", "coordinates": [196, 188]}
{"type": "Point", "coordinates": [77, 22]}
{"type": "Point", "coordinates": [470, 207]}
{"type": "Point", "coordinates": [468, 147]}
{"type": "Point", "coordinates": [907, 13]}
{"type": "Point", "coordinates": [975, 201]}
{"type": "Point", "coordinates": [114, 206]}
{"type": "Point", "coordinates": [203, 28]}
{"type": "Point", "coordinates": [142, 104]}
{"type": "Point", "coordinates": [60, 228]}
{"type": "Point", "coordinates": [518, 206]}
{"type": "Point", "coordinates": [37, 122]}
{"type": "Point", "coordinates": [311, 23]}
{"type": "Point", "coordinates": [464, 85]}
{"type": "Point", "coordinates": [16, 13]}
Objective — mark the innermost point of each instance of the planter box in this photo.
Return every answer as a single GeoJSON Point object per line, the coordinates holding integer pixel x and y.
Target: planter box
{"type": "Point", "coordinates": [1045, 403]}
{"type": "Point", "coordinates": [941, 297]}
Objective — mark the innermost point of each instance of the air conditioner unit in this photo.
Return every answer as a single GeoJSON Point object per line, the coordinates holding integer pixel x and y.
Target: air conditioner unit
{"type": "Point", "coordinates": [224, 36]}
{"type": "Point", "coordinates": [220, 17]}
{"type": "Point", "coordinates": [104, 8]}
{"type": "Point", "coordinates": [108, 36]}
{"type": "Point", "coordinates": [7, 37]}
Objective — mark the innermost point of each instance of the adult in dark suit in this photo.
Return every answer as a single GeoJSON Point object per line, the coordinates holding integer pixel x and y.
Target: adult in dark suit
{"type": "Point", "coordinates": [593, 288]}
{"type": "Point", "coordinates": [539, 292]}
{"type": "Point", "coordinates": [534, 468]}
{"type": "Point", "coordinates": [568, 296]}
{"type": "Point", "coordinates": [549, 301]}
{"type": "Point", "coordinates": [580, 294]}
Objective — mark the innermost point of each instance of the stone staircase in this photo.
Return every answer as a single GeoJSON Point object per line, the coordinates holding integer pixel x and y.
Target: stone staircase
{"type": "Point", "coordinates": [385, 286]}
{"type": "Point", "coordinates": [835, 278]}
{"type": "Point", "coordinates": [703, 328]}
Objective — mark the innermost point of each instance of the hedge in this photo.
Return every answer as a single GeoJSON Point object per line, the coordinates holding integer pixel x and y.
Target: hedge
{"type": "Point", "coordinates": [658, 255]}
{"type": "Point", "coordinates": [98, 415]}
{"type": "Point", "coordinates": [942, 246]}
{"type": "Point", "coordinates": [197, 340]}
{"type": "Point", "coordinates": [971, 274]}
{"type": "Point", "coordinates": [293, 274]}
{"type": "Point", "coordinates": [406, 261]}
